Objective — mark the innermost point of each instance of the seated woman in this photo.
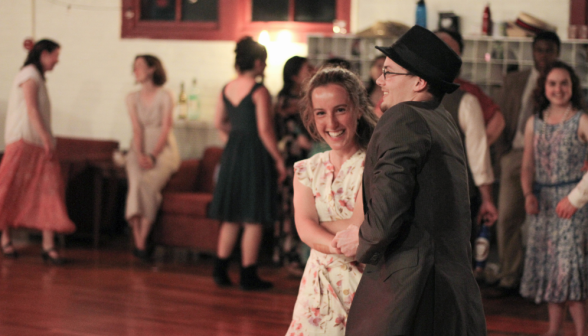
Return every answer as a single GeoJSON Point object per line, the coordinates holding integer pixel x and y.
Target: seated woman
{"type": "Point", "coordinates": [327, 198]}
{"type": "Point", "coordinates": [154, 154]}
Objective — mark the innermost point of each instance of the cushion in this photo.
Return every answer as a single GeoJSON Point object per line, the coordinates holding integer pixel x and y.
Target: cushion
{"type": "Point", "coordinates": [186, 203]}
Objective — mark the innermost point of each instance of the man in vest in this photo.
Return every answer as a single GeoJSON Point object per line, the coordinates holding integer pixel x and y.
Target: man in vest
{"type": "Point", "coordinates": [466, 111]}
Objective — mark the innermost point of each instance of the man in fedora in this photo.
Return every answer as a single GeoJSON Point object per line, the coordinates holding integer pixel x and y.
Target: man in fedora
{"type": "Point", "coordinates": [415, 236]}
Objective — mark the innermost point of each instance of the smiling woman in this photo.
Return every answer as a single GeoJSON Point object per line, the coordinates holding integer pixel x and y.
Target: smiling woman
{"type": "Point", "coordinates": [327, 198]}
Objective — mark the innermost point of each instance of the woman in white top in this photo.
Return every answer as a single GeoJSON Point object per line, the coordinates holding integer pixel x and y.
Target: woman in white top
{"type": "Point", "coordinates": [154, 154]}
{"type": "Point", "coordinates": [328, 199]}
{"type": "Point", "coordinates": [32, 193]}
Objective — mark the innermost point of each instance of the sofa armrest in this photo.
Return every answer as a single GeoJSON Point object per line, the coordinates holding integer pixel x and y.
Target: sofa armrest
{"type": "Point", "coordinates": [184, 180]}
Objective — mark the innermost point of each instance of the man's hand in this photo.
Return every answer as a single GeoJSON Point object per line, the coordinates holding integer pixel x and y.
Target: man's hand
{"type": "Point", "coordinates": [565, 209]}
{"type": "Point", "coordinates": [488, 213]}
{"type": "Point", "coordinates": [347, 240]}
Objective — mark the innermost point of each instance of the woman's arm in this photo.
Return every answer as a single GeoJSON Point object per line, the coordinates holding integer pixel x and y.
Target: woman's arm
{"type": "Point", "coordinates": [29, 89]}
{"type": "Point", "coordinates": [265, 128]}
{"type": "Point", "coordinates": [355, 219]}
{"type": "Point", "coordinates": [144, 160]}
{"type": "Point", "coordinates": [221, 120]}
{"type": "Point", "coordinates": [307, 221]}
{"type": "Point", "coordinates": [166, 125]}
{"type": "Point", "coordinates": [528, 170]}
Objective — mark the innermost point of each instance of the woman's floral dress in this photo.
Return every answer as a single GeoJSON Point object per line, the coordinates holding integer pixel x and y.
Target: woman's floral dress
{"type": "Point", "coordinates": [556, 261]}
{"type": "Point", "coordinates": [329, 281]}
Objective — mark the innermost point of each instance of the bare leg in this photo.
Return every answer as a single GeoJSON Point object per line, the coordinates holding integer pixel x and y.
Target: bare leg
{"type": "Point", "coordinates": [49, 244]}
{"type": "Point", "coordinates": [227, 238]}
{"type": "Point", "coordinates": [6, 242]}
{"type": "Point", "coordinates": [556, 315]}
{"type": "Point", "coordinates": [144, 230]}
{"type": "Point", "coordinates": [577, 310]}
{"type": "Point", "coordinates": [250, 243]}
{"type": "Point", "coordinates": [135, 224]}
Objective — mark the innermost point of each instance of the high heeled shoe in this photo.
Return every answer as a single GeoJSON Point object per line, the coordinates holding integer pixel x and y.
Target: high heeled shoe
{"type": "Point", "coordinates": [11, 254]}
{"type": "Point", "coordinates": [143, 255]}
{"type": "Point", "coordinates": [54, 260]}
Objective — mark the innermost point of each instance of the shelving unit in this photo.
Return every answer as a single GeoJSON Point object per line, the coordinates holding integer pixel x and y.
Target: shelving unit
{"type": "Point", "coordinates": [358, 51]}
{"type": "Point", "coordinates": [485, 59]}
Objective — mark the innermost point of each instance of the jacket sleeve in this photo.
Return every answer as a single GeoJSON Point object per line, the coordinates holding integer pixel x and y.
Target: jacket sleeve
{"type": "Point", "coordinates": [402, 145]}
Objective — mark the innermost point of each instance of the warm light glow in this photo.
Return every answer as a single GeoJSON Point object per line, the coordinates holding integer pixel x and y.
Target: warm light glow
{"type": "Point", "coordinates": [284, 36]}
{"type": "Point", "coordinates": [336, 29]}
{"type": "Point", "coordinates": [264, 38]}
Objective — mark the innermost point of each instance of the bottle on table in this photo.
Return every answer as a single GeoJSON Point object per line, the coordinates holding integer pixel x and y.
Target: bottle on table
{"type": "Point", "coordinates": [194, 102]}
{"type": "Point", "coordinates": [182, 103]}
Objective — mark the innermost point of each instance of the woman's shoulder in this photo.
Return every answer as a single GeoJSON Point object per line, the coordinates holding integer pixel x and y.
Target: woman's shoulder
{"type": "Point", "coordinates": [28, 72]}
{"type": "Point", "coordinates": [312, 162]}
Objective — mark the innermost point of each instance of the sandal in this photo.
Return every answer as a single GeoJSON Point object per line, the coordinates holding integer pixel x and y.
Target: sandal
{"type": "Point", "coordinates": [8, 251]}
{"type": "Point", "coordinates": [54, 260]}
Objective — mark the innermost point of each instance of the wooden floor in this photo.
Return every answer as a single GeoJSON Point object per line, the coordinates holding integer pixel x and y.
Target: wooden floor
{"type": "Point", "coordinates": [107, 292]}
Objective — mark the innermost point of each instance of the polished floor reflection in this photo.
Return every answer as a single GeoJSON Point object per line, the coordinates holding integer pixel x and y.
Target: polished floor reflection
{"type": "Point", "coordinates": [108, 292]}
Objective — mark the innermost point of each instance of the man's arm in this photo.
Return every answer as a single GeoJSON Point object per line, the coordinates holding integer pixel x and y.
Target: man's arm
{"type": "Point", "coordinates": [471, 122]}
{"type": "Point", "coordinates": [401, 154]}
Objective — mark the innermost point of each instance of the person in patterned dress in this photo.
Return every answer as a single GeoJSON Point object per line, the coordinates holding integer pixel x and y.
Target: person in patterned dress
{"type": "Point", "coordinates": [327, 199]}
{"type": "Point", "coordinates": [556, 262]}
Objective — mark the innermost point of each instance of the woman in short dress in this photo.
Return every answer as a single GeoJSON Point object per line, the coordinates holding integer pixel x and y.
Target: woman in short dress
{"type": "Point", "coordinates": [327, 199]}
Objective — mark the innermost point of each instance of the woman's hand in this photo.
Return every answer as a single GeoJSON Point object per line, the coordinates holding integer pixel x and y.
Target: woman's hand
{"type": "Point", "coordinates": [281, 168]}
{"type": "Point", "coordinates": [49, 149]}
{"type": "Point", "coordinates": [531, 204]}
{"type": "Point", "coordinates": [145, 161]}
{"type": "Point", "coordinates": [565, 209]}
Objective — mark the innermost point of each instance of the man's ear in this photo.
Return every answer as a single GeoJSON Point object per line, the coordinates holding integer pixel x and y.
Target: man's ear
{"type": "Point", "coordinates": [420, 85]}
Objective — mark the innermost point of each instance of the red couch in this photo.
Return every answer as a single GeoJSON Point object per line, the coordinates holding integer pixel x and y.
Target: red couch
{"type": "Point", "coordinates": [182, 219]}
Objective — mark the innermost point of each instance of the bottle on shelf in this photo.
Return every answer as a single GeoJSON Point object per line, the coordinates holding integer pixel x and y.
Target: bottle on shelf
{"type": "Point", "coordinates": [421, 14]}
{"type": "Point", "coordinates": [487, 21]}
{"type": "Point", "coordinates": [194, 102]}
{"type": "Point", "coordinates": [182, 103]}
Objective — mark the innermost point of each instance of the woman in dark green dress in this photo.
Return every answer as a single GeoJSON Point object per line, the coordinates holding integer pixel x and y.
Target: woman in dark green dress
{"type": "Point", "coordinates": [251, 166]}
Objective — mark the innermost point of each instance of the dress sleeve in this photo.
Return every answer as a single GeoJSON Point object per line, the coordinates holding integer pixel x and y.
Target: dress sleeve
{"type": "Point", "coordinates": [28, 72]}
{"type": "Point", "coordinates": [302, 172]}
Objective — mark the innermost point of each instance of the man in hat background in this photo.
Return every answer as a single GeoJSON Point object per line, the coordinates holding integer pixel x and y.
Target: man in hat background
{"type": "Point", "coordinates": [415, 236]}
{"type": "Point", "coordinates": [516, 102]}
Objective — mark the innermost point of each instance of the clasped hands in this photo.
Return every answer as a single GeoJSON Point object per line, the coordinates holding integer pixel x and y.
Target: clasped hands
{"type": "Point", "coordinates": [346, 241]}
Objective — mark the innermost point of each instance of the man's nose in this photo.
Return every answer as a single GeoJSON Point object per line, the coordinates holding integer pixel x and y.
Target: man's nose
{"type": "Point", "coordinates": [381, 81]}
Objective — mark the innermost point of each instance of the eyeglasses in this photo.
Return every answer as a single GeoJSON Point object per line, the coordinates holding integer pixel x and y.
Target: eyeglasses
{"type": "Point", "coordinates": [386, 72]}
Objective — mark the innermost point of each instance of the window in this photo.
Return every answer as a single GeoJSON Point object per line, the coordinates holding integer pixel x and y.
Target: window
{"type": "Point", "coordinates": [229, 19]}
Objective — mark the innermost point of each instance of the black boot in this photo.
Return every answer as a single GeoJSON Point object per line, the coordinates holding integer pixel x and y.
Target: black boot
{"type": "Point", "coordinates": [220, 273]}
{"type": "Point", "coordinates": [250, 280]}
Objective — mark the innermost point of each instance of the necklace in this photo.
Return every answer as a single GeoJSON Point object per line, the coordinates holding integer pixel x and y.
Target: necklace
{"type": "Point", "coordinates": [546, 115]}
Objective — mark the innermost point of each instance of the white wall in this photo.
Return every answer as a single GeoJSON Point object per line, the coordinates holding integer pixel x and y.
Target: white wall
{"type": "Point", "coordinates": [88, 87]}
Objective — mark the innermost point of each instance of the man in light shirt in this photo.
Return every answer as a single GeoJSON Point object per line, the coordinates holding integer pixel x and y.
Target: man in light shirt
{"type": "Point", "coordinates": [568, 206]}
{"type": "Point", "coordinates": [516, 103]}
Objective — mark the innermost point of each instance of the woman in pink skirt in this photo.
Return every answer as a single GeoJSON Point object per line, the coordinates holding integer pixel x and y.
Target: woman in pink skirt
{"type": "Point", "coordinates": [32, 193]}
